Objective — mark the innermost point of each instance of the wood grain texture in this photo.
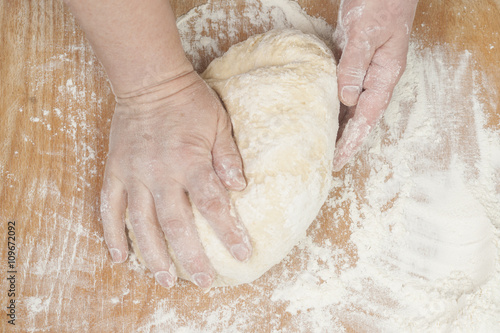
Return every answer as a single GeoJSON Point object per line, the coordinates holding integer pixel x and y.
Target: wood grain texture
{"type": "Point", "coordinates": [55, 113]}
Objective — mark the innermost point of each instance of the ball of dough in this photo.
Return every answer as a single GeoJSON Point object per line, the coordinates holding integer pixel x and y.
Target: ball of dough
{"type": "Point", "coordinates": [280, 91]}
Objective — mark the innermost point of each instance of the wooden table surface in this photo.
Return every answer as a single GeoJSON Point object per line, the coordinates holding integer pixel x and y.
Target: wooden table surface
{"type": "Point", "coordinates": [55, 113]}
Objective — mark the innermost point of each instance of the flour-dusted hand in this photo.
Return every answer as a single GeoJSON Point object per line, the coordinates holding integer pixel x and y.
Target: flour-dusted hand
{"type": "Point", "coordinates": [166, 143]}
{"type": "Point", "coordinates": [171, 142]}
{"type": "Point", "coordinates": [373, 37]}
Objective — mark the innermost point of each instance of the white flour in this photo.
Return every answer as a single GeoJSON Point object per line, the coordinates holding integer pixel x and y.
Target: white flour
{"type": "Point", "coordinates": [423, 224]}
{"type": "Point", "coordinates": [259, 16]}
{"type": "Point", "coordinates": [422, 249]}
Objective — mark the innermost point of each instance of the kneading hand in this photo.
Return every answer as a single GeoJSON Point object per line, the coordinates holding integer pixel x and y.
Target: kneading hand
{"type": "Point", "coordinates": [170, 144]}
{"type": "Point", "coordinates": [373, 38]}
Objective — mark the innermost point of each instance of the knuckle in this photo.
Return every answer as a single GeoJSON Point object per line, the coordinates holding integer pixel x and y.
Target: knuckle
{"type": "Point", "coordinates": [361, 39]}
{"type": "Point", "coordinates": [213, 206]}
{"type": "Point", "coordinates": [175, 228]}
{"type": "Point", "coordinates": [231, 236]}
{"type": "Point", "coordinates": [137, 219]}
{"type": "Point", "coordinates": [191, 144]}
{"type": "Point", "coordinates": [156, 170]}
{"type": "Point", "coordinates": [348, 74]}
{"type": "Point", "coordinates": [370, 34]}
{"type": "Point", "coordinates": [396, 7]}
{"type": "Point", "coordinates": [207, 192]}
{"type": "Point", "coordinates": [383, 17]}
{"type": "Point", "coordinates": [190, 155]}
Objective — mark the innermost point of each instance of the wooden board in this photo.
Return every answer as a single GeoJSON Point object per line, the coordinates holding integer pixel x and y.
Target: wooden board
{"type": "Point", "coordinates": [55, 113]}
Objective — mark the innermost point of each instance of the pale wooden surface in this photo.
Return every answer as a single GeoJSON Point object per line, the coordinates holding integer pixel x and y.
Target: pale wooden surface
{"type": "Point", "coordinates": [55, 112]}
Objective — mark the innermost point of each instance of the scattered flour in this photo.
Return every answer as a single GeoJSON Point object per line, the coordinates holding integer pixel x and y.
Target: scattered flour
{"type": "Point", "coordinates": [424, 224]}
{"type": "Point", "coordinates": [196, 26]}
{"type": "Point", "coordinates": [422, 247]}
{"type": "Point", "coordinates": [36, 304]}
{"type": "Point", "coordinates": [423, 243]}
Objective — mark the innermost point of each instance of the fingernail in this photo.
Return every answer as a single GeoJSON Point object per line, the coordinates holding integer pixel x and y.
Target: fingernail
{"type": "Point", "coordinates": [116, 255]}
{"type": "Point", "coordinates": [349, 95]}
{"type": "Point", "coordinates": [235, 176]}
{"type": "Point", "coordinates": [240, 252]}
{"type": "Point", "coordinates": [165, 279]}
{"type": "Point", "coordinates": [202, 280]}
{"type": "Point", "coordinates": [339, 163]}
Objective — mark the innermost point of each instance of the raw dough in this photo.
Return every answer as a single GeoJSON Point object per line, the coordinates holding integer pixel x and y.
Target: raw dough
{"type": "Point", "coordinates": [281, 93]}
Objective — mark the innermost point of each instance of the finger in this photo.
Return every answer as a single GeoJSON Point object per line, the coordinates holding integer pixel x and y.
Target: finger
{"type": "Point", "coordinates": [354, 62]}
{"type": "Point", "coordinates": [150, 238]}
{"type": "Point", "coordinates": [177, 222]}
{"type": "Point", "coordinates": [380, 81]}
{"type": "Point", "coordinates": [345, 113]}
{"type": "Point", "coordinates": [370, 106]}
{"type": "Point", "coordinates": [212, 200]}
{"type": "Point", "coordinates": [113, 205]}
{"type": "Point", "coordinates": [387, 67]}
{"type": "Point", "coordinates": [226, 157]}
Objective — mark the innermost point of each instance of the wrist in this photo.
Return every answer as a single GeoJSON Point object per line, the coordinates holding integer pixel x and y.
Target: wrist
{"type": "Point", "coordinates": [153, 95]}
{"type": "Point", "coordinates": [129, 80]}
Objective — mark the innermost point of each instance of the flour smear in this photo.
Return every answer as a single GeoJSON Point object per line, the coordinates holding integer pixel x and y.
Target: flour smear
{"type": "Point", "coordinates": [423, 249]}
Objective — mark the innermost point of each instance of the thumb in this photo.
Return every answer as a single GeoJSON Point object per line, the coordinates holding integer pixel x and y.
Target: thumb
{"type": "Point", "coordinates": [352, 68]}
{"type": "Point", "coordinates": [227, 161]}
